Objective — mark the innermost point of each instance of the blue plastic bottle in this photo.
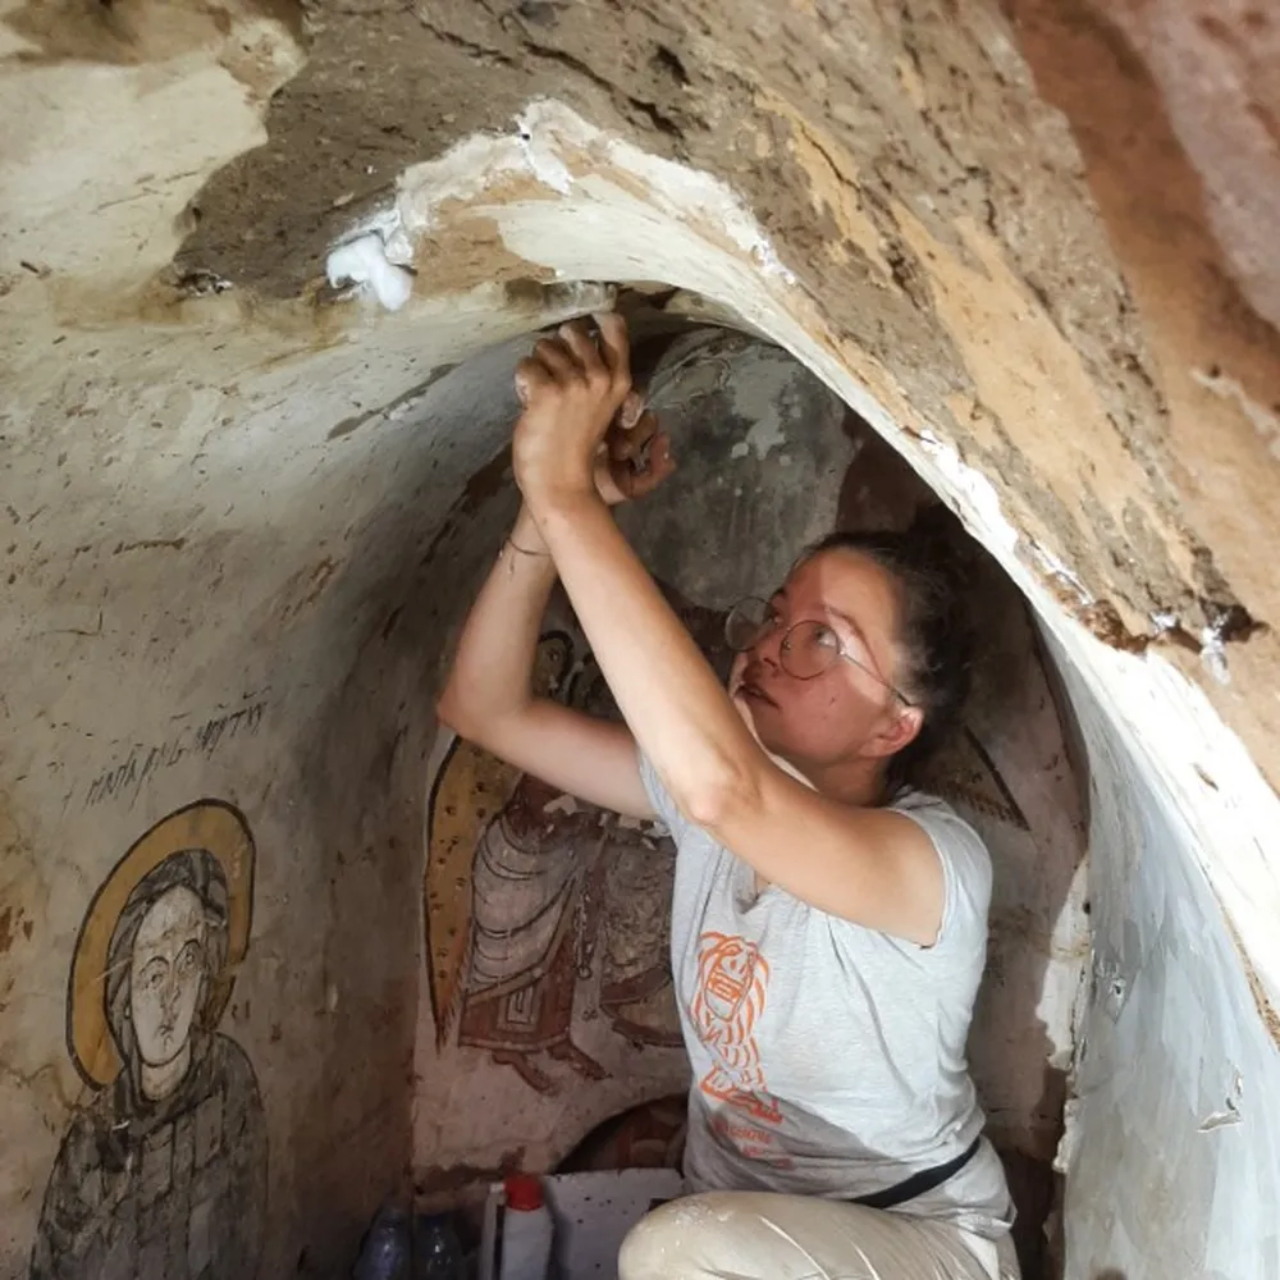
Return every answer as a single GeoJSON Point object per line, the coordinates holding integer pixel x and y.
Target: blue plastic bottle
{"type": "Point", "coordinates": [387, 1250]}
{"type": "Point", "coordinates": [437, 1255]}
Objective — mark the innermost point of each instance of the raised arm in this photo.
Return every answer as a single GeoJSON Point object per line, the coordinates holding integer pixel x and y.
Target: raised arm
{"type": "Point", "coordinates": [872, 866]}
{"type": "Point", "coordinates": [489, 698]}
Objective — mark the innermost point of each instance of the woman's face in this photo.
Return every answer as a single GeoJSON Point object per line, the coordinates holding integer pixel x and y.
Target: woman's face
{"type": "Point", "coordinates": [167, 974]}
{"type": "Point", "coordinates": [844, 713]}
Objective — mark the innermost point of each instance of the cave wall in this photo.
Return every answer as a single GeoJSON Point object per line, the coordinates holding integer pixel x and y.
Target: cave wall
{"type": "Point", "coordinates": [1172, 1078]}
{"type": "Point", "coordinates": [1011, 239]}
{"type": "Point", "coordinates": [261, 637]}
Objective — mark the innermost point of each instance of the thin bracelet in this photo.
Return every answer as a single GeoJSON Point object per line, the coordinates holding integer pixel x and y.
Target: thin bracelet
{"type": "Point", "coordinates": [524, 551]}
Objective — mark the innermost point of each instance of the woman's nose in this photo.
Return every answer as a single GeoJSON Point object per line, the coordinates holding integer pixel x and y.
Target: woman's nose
{"type": "Point", "coordinates": [768, 648]}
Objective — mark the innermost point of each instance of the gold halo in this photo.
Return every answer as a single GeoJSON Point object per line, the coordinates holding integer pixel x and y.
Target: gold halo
{"type": "Point", "coordinates": [211, 825]}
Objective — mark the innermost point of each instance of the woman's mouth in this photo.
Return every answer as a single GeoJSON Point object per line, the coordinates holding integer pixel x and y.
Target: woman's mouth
{"type": "Point", "coordinates": [753, 693]}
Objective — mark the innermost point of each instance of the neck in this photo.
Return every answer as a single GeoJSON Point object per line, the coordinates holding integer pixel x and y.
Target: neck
{"type": "Point", "coordinates": [856, 782]}
{"type": "Point", "coordinates": [159, 1082]}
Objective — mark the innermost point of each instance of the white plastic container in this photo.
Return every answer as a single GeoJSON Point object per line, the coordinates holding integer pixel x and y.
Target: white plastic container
{"type": "Point", "coordinates": [528, 1230]}
{"type": "Point", "coordinates": [592, 1213]}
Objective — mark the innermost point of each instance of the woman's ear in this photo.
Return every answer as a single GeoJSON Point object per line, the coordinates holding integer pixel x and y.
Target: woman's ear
{"type": "Point", "coordinates": [896, 733]}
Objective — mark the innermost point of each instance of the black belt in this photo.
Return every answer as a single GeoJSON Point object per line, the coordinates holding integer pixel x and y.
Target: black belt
{"type": "Point", "coordinates": [919, 1183]}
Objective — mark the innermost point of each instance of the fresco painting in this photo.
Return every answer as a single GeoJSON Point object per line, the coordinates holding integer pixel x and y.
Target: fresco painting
{"type": "Point", "coordinates": [528, 890]}
{"type": "Point", "coordinates": [162, 1174]}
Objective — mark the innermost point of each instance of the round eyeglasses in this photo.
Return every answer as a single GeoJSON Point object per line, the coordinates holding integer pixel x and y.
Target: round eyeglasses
{"type": "Point", "coordinates": [808, 648]}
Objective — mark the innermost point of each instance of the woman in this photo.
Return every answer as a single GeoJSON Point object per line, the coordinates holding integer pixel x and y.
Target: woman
{"type": "Point", "coordinates": [828, 929]}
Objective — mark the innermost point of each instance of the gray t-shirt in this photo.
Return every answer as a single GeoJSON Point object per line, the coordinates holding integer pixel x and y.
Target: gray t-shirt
{"type": "Point", "coordinates": [829, 1059]}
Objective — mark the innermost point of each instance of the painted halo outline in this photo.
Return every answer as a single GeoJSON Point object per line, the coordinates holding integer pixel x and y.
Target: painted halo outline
{"type": "Point", "coordinates": [212, 825]}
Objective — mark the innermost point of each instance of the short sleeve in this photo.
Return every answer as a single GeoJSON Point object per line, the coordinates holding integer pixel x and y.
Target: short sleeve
{"type": "Point", "coordinates": [660, 797]}
{"type": "Point", "coordinates": [966, 869]}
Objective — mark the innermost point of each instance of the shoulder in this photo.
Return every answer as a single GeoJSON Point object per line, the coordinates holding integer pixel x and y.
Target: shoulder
{"type": "Point", "coordinates": [79, 1150]}
{"type": "Point", "coordinates": [69, 1195]}
{"type": "Point", "coordinates": [232, 1067]}
{"type": "Point", "coordinates": [966, 863]}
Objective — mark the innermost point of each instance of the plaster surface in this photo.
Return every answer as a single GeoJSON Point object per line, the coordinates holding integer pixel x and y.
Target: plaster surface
{"type": "Point", "coordinates": [1020, 241]}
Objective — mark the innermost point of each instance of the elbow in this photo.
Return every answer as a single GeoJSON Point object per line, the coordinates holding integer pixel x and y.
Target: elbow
{"type": "Point", "coordinates": [452, 712]}
{"type": "Point", "coordinates": [474, 716]}
{"type": "Point", "coordinates": [726, 795]}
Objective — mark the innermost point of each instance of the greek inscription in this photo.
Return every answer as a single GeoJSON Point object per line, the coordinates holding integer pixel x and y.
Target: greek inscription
{"type": "Point", "coordinates": [124, 779]}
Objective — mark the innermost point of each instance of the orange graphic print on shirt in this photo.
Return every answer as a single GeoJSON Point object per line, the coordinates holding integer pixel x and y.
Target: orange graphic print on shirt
{"type": "Point", "coordinates": [733, 979]}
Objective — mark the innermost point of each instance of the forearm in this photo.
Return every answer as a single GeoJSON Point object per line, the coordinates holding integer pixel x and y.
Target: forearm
{"type": "Point", "coordinates": [668, 694]}
{"type": "Point", "coordinates": [491, 677]}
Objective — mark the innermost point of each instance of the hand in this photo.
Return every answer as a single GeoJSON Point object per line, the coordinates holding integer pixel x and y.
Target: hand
{"type": "Point", "coordinates": [635, 456]}
{"type": "Point", "coordinates": [574, 437]}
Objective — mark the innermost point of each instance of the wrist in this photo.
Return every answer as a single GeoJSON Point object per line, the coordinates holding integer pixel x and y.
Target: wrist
{"type": "Point", "coordinates": [526, 535]}
{"type": "Point", "coordinates": [552, 505]}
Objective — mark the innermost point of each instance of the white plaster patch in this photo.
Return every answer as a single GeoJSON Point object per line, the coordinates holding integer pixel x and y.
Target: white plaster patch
{"type": "Point", "coordinates": [754, 396]}
{"type": "Point", "coordinates": [1070, 1140]}
{"type": "Point", "coordinates": [1213, 653]}
{"type": "Point", "coordinates": [548, 135]}
{"type": "Point", "coordinates": [1061, 572]}
{"type": "Point", "coordinates": [539, 152]}
{"type": "Point", "coordinates": [462, 173]}
{"type": "Point", "coordinates": [1232, 831]}
{"type": "Point", "coordinates": [680, 190]}
{"type": "Point", "coordinates": [977, 496]}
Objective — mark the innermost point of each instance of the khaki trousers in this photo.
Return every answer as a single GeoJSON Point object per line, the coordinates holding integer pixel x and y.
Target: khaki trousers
{"type": "Point", "coordinates": [753, 1235]}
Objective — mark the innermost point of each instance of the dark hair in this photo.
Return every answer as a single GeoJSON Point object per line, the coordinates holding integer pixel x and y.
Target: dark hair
{"type": "Point", "coordinates": [935, 634]}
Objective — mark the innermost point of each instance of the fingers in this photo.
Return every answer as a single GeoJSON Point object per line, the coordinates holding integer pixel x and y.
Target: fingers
{"type": "Point", "coordinates": [531, 377]}
{"type": "Point", "coordinates": [630, 444]}
{"type": "Point", "coordinates": [607, 485]}
{"type": "Point", "coordinates": [557, 358]}
{"type": "Point", "coordinates": [639, 467]}
{"type": "Point", "coordinates": [584, 350]}
{"type": "Point", "coordinates": [571, 353]}
{"type": "Point", "coordinates": [575, 355]}
{"type": "Point", "coordinates": [631, 411]}
{"type": "Point", "coordinates": [615, 349]}
{"type": "Point", "coordinates": [661, 465]}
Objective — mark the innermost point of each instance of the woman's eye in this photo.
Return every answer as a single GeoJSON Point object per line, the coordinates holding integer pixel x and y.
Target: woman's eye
{"type": "Point", "coordinates": [825, 638]}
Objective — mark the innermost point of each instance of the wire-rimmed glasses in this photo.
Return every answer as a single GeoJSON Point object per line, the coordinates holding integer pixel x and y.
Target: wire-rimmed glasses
{"type": "Point", "coordinates": [808, 649]}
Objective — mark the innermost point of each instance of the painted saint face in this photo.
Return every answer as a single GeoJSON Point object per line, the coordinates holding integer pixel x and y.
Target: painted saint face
{"type": "Point", "coordinates": [167, 975]}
